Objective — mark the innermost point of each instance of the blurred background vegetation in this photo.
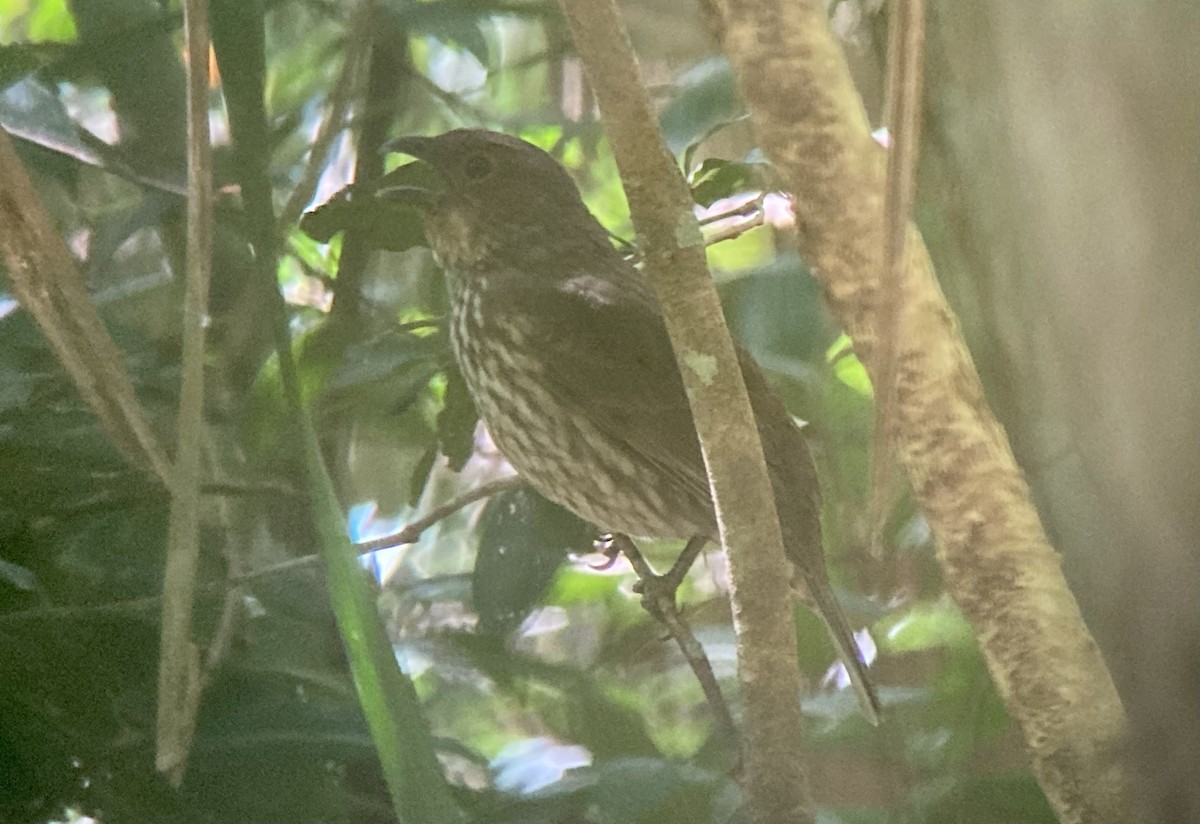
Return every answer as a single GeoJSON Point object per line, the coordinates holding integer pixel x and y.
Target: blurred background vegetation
{"type": "Point", "coordinates": [551, 695]}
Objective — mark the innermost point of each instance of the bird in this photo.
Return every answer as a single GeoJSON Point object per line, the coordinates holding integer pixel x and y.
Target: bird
{"type": "Point", "coordinates": [563, 348]}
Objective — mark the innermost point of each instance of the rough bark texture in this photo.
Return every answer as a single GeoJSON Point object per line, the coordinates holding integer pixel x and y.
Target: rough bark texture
{"type": "Point", "coordinates": [999, 565]}
{"type": "Point", "coordinates": [661, 207]}
{"type": "Point", "coordinates": [1059, 151]}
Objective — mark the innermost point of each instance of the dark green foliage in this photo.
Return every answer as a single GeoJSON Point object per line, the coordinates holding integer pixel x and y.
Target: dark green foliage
{"type": "Point", "coordinates": [705, 98]}
{"type": "Point", "coordinates": [715, 179]}
{"type": "Point", "coordinates": [385, 224]}
{"type": "Point", "coordinates": [523, 540]}
{"type": "Point", "coordinates": [456, 421]}
{"type": "Point", "coordinates": [587, 682]}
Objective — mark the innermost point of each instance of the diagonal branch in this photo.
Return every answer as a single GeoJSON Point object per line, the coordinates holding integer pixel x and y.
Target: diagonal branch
{"type": "Point", "coordinates": [658, 599]}
{"type": "Point", "coordinates": [358, 38]}
{"type": "Point", "coordinates": [999, 565]}
{"type": "Point", "coordinates": [179, 672]}
{"type": "Point", "coordinates": [49, 286]}
{"type": "Point", "coordinates": [661, 207]}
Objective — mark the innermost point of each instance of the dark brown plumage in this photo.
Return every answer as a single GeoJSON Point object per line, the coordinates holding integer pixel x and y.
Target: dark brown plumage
{"type": "Point", "coordinates": [565, 352]}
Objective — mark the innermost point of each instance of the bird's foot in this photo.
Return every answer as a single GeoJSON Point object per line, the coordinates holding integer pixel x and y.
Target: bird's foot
{"type": "Point", "coordinates": [609, 548]}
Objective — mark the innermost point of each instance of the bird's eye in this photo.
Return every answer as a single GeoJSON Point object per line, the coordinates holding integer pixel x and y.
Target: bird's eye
{"type": "Point", "coordinates": [478, 167]}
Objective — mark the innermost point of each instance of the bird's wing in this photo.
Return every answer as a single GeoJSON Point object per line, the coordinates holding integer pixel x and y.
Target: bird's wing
{"type": "Point", "coordinates": [607, 351]}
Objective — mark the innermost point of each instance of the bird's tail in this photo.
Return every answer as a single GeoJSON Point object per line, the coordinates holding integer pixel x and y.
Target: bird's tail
{"type": "Point", "coordinates": [831, 613]}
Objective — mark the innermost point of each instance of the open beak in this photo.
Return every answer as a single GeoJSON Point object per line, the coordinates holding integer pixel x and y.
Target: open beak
{"type": "Point", "coordinates": [416, 184]}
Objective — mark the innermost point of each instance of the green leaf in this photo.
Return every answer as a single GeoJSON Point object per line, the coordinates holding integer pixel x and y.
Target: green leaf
{"type": "Point", "coordinates": [847, 368]}
{"type": "Point", "coordinates": [317, 355]}
{"type": "Point", "coordinates": [385, 372]}
{"type": "Point", "coordinates": [420, 475]}
{"type": "Point", "coordinates": [653, 791]}
{"type": "Point", "coordinates": [929, 626]}
{"type": "Point", "coordinates": [403, 743]}
{"type": "Point", "coordinates": [691, 150]}
{"type": "Point", "coordinates": [575, 705]}
{"type": "Point", "coordinates": [523, 540]}
{"type": "Point", "coordinates": [578, 586]}
{"type": "Point", "coordinates": [707, 96]}
{"type": "Point", "coordinates": [1008, 797]}
{"type": "Point", "coordinates": [382, 222]}
{"type": "Point", "coordinates": [52, 20]}
{"type": "Point", "coordinates": [275, 746]}
{"type": "Point", "coordinates": [457, 419]}
{"type": "Point", "coordinates": [717, 179]}
{"type": "Point", "coordinates": [389, 700]}
{"type": "Point", "coordinates": [776, 311]}
{"type": "Point", "coordinates": [30, 110]}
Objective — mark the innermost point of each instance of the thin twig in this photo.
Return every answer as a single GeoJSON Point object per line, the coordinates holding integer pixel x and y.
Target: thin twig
{"type": "Point", "coordinates": [735, 231]}
{"type": "Point", "coordinates": [94, 152]}
{"type": "Point", "coordinates": [658, 599]}
{"type": "Point", "coordinates": [382, 101]}
{"type": "Point", "coordinates": [233, 610]}
{"type": "Point", "coordinates": [683, 563]}
{"type": "Point", "coordinates": [72, 612]}
{"type": "Point", "coordinates": [231, 615]}
{"type": "Point", "coordinates": [408, 535]}
{"type": "Point", "coordinates": [344, 90]}
{"type": "Point", "coordinates": [44, 278]}
{"type": "Point", "coordinates": [412, 532]}
{"type": "Point", "coordinates": [741, 210]}
{"type": "Point", "coordinates": [905, 64]}
{"type": "Point", "coordinates": [450, 100]}
{"type": "Point", "coordinates": [149, 602]}
{"type": "Point", "coordinates": [179, 673]}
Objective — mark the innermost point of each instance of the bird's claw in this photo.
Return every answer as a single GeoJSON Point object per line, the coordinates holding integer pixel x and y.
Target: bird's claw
{"type": "Point", "coordinates": [606, 546]}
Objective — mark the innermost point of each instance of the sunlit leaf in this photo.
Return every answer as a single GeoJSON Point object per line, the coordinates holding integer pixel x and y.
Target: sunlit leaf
{"type": "Point", "coordinates": [928, 626]}
{"type": "Point", "coordinates": [753, 248]}
{"type": "Point", "coordinates": [52, 21]}
{"type": "Point", "coordinates": [848, 369]}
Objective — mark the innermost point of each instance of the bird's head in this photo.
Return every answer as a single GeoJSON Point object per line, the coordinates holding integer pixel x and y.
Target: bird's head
{"type": "Point", "coordinates": [494, 194]}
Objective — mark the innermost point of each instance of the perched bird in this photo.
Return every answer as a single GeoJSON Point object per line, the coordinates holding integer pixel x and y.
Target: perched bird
{"type": "Point", "coordinates": [564, 350]}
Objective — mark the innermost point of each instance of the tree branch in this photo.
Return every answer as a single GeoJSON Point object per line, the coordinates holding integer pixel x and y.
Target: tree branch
{"type": "Point", "coordinates": [179, 673]}
{"type": "Point", "coordinates": [658, 599]}
{"type": "Point", "coordinates": [661, 207]}
{"type": "Point", "coordinates": [999, 565]}
{"type": "Point", "coordinates": [411, 532]}
{"type": "Point", "coordinates": [358, 38]}
{"type": "Point", "coordinates": [906, 49]}
{"type": "Point", "coordinates": [46, 281]}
